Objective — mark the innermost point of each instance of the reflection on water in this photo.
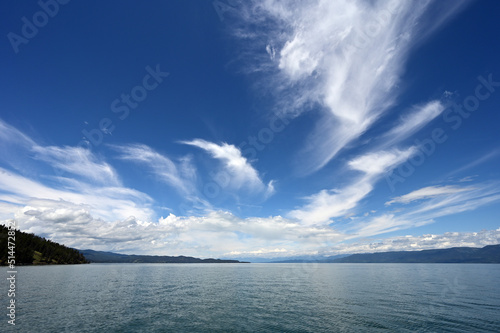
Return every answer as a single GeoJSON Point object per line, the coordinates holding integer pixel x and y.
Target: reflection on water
{"type": "Point", "coordinates": [259, 298]}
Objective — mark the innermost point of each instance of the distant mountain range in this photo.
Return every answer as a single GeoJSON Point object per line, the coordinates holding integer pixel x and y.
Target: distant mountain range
{"type": "Point", "coordinates": [308, 259]}
{"type": "Point", "coordinates": [487, 254]}
{"type": "Point", "coordinates": [110, 257]}
{"type": "Point", "coordinates": [34, 250]}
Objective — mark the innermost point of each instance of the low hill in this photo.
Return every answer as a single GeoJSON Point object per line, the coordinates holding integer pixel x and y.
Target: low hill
{"type": "Point", "coordinates": [34, 250]}
{"type": "Point", "coordinates": [110, 257]}
{"type": "Point", "coordinates": [311, 259]}
{"type": "Point", "coordinates": [487, 254]}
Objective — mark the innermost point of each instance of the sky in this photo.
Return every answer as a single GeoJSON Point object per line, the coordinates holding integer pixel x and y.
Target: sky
{"type": "Point", "coordinates": [251, 129]}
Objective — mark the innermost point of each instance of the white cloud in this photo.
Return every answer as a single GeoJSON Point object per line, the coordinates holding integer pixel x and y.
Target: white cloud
{"type": "Point", "coordinates": [325, 205]}
{"type": "Point", "coordinates": [7, 210]}
{"type": "Point", "coordinates": [242, 174]}
{"type": "Point", "coordinates": [457, 201]}
{"type": "Point", "coordinates": [413, 121]}
{"type": "Point", "coordinates": [270, 190]}
{"type": "Point", "coordinates": [423, 242]}
{"type": "Point", "coordinates": [101, 192]}
{"type": "Point", "coordinates": [376, 163]}
{"type": "Point", "coordinates": [77, 161]}
{"type": "Point", "coordinates": [426, 193]}
{"type": "Point", "coordinates": [383, 224]}
{"type": "Point", "coordinates": [345, 56]}
{"type": "Point", "coordinates": [181, 176]}
{"type": "Point", "coordinates": [220, 233]}
{"type": "Point", "coordinates": [216, 234]}
{"type": "Point", "coordinates": [11, 135]}
{"type": "Point", "coordinates": [13, 141]}
{"type": "Point", "coordinates": [477, 161]}
{"type": "Point", "coordinates": [436, 202]}
{"type": "Point", "coordinates": [105, 202]}
{"type": "Point", "coordinates": [18, 148]}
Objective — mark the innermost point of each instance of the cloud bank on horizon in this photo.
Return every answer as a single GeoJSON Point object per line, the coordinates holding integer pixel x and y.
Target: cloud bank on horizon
{"type": "Point", "coordinates": [335, 70]}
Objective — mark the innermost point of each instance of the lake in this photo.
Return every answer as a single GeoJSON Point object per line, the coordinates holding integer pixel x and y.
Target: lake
{"type": "Point", "coordinates": [256, 298]}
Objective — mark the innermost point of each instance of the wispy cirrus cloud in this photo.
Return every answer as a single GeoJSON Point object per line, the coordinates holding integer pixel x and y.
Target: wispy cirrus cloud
{"type": "Point", "coordinates": [76, 175]}
{"type": "Point", "coordinates": [242, 174]}
{"type": "Point", "coordinates": [457, 201]}
{"type": "Point", "coordinates": [477, 161]}
{"type": "Point", "coordinates": [345, 57]}
{"type": "Point", "coordinates": [325, 205]}
{"type": "Point", "coordinates": [77, 161]}
{"type": "Point", "coordinates": [92, 215]}
{"type": "Point", "coordinates": [376, 163]}
{"type": "Point", "coordinates": [423, 242]}
{"type": "Point", "coordinates": [413, 121]}
{"type": "Point", "coordinates": [106, 202]}
{"type": "Point", "coordinates": [383, 223]}
{"type": "Point", "coordinates": [11, 135]}
{"type": "Point", "coordinates": [18, 148]}
{"type": "Point", "coordinates": [220, 233]}
{"type": "Point", "coordinates": [427, 193]}
{"type": "Point", "coordinates": [181, 175]}
{"type": "Point", "coordinates": [433, 202]}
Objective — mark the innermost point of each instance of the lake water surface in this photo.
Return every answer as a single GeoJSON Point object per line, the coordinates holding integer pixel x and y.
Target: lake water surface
{"type": "Point", "coordinates": [256, 298]}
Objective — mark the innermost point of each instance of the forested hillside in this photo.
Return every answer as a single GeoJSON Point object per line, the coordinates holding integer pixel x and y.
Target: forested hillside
{"type": "Point", "coordinates": [34, 250]}
{"type": "Point", "coordinates": [110, 257]}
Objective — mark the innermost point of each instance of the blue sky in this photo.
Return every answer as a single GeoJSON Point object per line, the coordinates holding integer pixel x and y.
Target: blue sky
{"type": "Point", "coordinates": [248, 129]}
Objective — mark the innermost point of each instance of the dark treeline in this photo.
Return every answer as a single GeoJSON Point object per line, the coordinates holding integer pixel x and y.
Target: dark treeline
{"type": "Point", "coordinates": [110, 257]}
{"type": "Point", "coordinates": [34, 250]}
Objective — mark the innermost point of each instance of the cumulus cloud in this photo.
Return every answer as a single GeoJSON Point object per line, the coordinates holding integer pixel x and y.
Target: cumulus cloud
{"type": "Point", "coordinates": [81, 177]}
{"type": "Point", "coordinates": [106, 202]}
{"type": "Point", "coordinates": [242, 174]}
{"type": "Point", "coordinates": [221, 234]}
{"type": "Point", "coordinates": [215, 234]}
{"type": "Point", "coordinates": [344, 56]}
